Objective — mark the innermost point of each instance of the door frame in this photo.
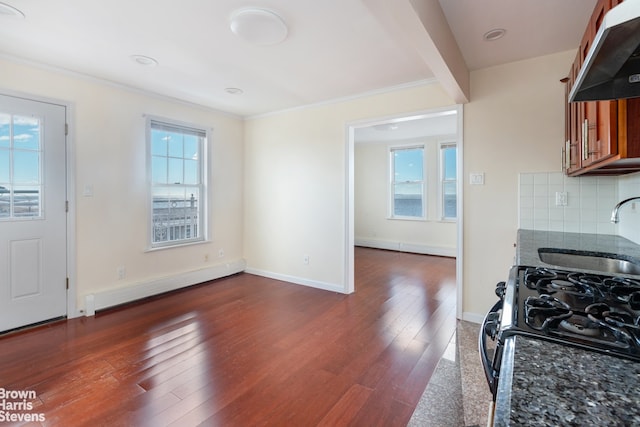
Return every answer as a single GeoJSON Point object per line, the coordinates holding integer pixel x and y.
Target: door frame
{"type": "Point", "coordinates": [349, 238]}
{"type": "Point", "coordinates": [70, 174]}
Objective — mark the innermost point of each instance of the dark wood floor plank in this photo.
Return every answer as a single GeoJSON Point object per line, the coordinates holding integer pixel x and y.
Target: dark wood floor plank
{"type": "Point", "coordinates": [247, 350]}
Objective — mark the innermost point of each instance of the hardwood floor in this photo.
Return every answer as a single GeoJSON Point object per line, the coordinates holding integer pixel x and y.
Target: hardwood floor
{"type": "Point", "coordinates": [246, 350]}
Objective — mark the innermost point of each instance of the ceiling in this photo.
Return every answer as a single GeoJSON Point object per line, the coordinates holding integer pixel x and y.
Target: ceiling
{"type": "Point", "coordinates": [404, 129]}
{"type": "Point", "coordinates": [334, 49]}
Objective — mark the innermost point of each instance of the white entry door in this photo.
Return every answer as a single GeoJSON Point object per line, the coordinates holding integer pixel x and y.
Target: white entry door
{"type": "Point", "coordinates": [33, 223]}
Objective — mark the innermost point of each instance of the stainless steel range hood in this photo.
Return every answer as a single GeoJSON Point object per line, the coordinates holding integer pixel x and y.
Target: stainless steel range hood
{"type": "Point", "coordinates": [611, 69]}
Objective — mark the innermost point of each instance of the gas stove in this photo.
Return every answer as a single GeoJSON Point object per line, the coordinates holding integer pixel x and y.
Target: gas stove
{"type": "Point", "coordinates": [596, 312]}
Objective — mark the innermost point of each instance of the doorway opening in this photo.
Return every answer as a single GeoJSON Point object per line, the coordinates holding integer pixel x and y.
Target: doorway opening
{"type": "Point", "coordinates": [401, 192]}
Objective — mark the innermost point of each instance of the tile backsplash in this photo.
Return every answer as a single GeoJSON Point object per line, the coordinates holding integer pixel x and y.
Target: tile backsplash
{"type": "Point", "coordinates": [589, 201]}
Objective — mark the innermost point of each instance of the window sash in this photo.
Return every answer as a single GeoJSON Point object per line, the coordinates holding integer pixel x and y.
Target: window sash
{"type": "Point", "coordinates": [448, 183]}
{"type": "Point", "coordinates": [407, 186]}
{"type": "Point", "coordinates": [177, 176]}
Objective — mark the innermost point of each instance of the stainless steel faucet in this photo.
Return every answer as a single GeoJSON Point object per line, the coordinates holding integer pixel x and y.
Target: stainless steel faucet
{"type": "Point", "coordinates": [614, 212]}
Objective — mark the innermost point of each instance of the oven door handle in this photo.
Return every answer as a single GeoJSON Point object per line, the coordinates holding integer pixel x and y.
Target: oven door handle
{"type": "Point", "coordinates": [489, 328]}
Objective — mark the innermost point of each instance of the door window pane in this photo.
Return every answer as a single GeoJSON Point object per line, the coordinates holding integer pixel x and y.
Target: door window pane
{"type": "Point", "coordinates": [4, 166]}
{"type": "Point", "coordinates": [26, 167]}
{"type": "Point", "coordinates": [26, 201]}
{"type": "Point", "coordinates": [20, 166]}
{"type": "Point", "coordinates": [26, 133]}
{"type": "Point", "coordinates": [5, 130]}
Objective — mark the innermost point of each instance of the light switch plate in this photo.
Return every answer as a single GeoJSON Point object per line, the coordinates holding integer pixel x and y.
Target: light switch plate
{"type": "Point", "coordinates": [476, 178]}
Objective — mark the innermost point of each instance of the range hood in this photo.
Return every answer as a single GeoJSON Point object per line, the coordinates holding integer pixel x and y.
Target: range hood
{"type": "Point", "coordinates": [611, 69]}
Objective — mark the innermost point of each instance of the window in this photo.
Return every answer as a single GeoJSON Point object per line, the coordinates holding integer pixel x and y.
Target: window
{"type": "Point", "coordinates": [407, 182]}
{"type": "Point", "coordinates": [177, 155]}
{"type": "Point", "coordinates": [21, 183]}
{"type": "Point", "coordinates": [448, 168]}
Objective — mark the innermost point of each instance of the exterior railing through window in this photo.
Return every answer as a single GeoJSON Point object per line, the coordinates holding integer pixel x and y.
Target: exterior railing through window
{"type": "Point", "coordinates": [174, 219]}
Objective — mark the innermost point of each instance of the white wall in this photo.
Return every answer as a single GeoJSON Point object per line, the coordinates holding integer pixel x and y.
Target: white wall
{"type": "Point", "coordinates": [373, 228]}
{"type": "Point", "coordinates": [108, 134]}
{"type": "Point", "coordinates": [295, 184]}
{"type": "Point", "coordinates": [514, 123]}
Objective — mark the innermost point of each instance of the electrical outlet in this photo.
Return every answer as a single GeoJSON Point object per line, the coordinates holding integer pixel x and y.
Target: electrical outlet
{"type": "Point", "coordinates": [221, 253]}
{"type": "Point", "coordinates": [206, 257]}
{"type": "Point", "coordinates": [305, 259]}
{"type": "Point", "coordinates": [121, 271]}
{"type": "Point", "coordinates": [561, 198]}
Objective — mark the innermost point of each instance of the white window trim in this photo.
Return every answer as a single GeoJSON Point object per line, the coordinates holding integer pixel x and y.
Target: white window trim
{"type": "Point", "coordinates": [391, 181]}
{"type": "Point", "coordinates": [203, 218]}
{"type": "Point", "coordinates": [441, 180]}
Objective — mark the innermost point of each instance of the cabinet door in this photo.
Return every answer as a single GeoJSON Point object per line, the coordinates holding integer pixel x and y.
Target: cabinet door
{"type": "Point", "coordinates": [601, 123]}
{"type": "Point", "coordinates": [574, 151]}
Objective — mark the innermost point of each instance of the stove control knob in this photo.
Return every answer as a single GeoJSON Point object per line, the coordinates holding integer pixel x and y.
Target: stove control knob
{"type": "Point", "coordinates": [500, 289]}
{"type": "Point", "coordinates": [491, 325]}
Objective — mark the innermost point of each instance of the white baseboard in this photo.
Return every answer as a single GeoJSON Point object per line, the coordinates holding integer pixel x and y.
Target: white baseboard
{"type": "Point", "coordinates": [297, 280]}
{"type": "Point", "coordinates": [406, 247]}
{"type": "Point", "coordinates": [136, 291]}
{"type": "Point", "coordinates": [473, 317]}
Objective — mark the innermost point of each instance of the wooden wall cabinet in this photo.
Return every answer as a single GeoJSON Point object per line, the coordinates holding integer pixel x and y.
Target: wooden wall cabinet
{"type": "Point", "coordinates": [601, 137]}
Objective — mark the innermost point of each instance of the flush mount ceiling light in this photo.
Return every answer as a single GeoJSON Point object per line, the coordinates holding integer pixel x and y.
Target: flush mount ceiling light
{"type": "Point", "coordinates": [234, 91]}
{"type": "Point", "coordinates": [494, 34]}
{"type": "Point", "coordinates": [8, 10]}
{"type": "Point", "coordinates": [261, 27]}
{"type": "Point", "coordinates": [146, 61]}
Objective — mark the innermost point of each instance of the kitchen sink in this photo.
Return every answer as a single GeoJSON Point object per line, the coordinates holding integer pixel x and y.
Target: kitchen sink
{"type": "Point", "coordinates": [595, 261]}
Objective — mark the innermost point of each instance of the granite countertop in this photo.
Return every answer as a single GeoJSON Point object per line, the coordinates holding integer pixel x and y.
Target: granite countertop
{"type": "Point", "coordinates": [566, 386]}
{"type": "Point", "coordinates": [543, 383]}
{"type": "Point", "coordinates": [529, 241]}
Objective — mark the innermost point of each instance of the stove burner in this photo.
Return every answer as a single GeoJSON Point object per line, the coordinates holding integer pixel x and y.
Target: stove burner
{"type": "Point", "coordinates": [574, 283]}
{"type": "Point", "coordinates": [545, 311]}
{"type": "Point", "coordinates": [602, 313]}
{"type": "Point", "coordinates": [624, 290]}
{"type": "Point", "coordinates": [580, 325]}
{"type": "Point", "coordinates": [533, 275]}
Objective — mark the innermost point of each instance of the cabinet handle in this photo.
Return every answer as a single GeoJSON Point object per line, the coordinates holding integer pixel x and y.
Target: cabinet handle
{"type": "Point", "coordinates": [585, 140]}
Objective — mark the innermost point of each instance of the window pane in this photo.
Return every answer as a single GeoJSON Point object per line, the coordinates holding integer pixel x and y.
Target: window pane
{"type": "Point", "coordinates": [175, 213]}
{"type": "Point", "coordinates": [26, 133]}
{"type": "Point", "coordinates": [26, 167]}
{"type": "Point", "coordinates": [191, 147]}
{"type": "Point", "coordinates": [159, 170]}
{"type": "Point", "coordinates": [408, 165]}
{"type": "Point", "coordinates": [449, 162]}
{"type": "Point", "coordinates": [449, 199]}
{"type": "Point", "coordinates": [175, 171]}
{"type": "Point", "coordinates": [175, 145]}
{"type": "Point", "coordinates": [407, 200]}
{"type": "Point", "coordinates": [161, 213]}
{"type": "Point", "coordinates": [158, 143]}
{"type": "Point", "coordinates": [191, 172]}
{"type": "Point", "coordinates": [5, 130]}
